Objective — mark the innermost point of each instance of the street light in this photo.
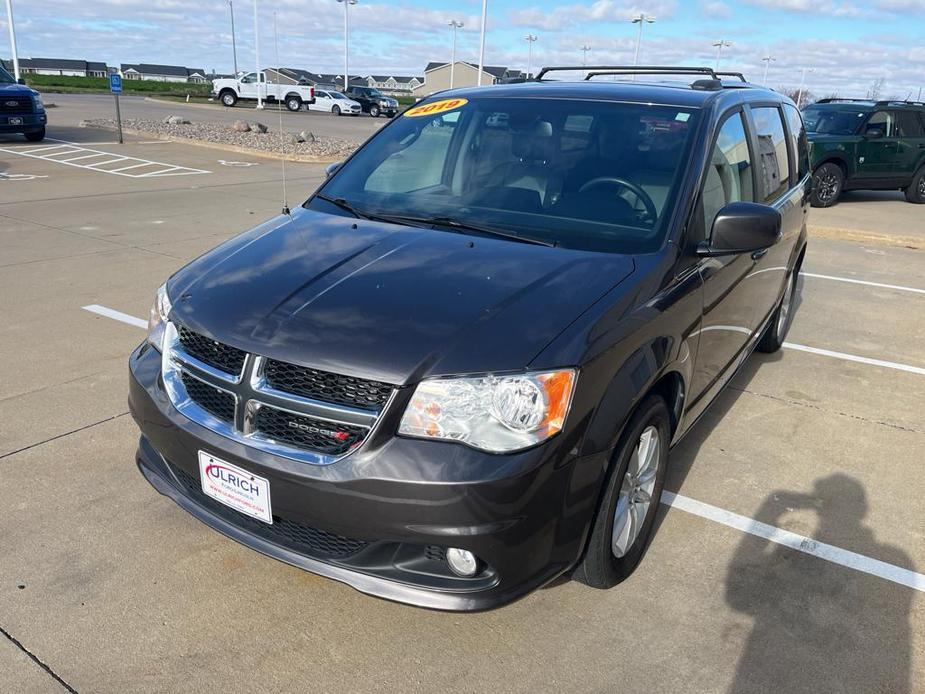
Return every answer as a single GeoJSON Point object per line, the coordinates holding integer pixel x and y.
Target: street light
{"type": "Point", "coordinates": [347, 4]}
{"type": "Point", "coordinates": [9, 24]}
{"type": "Point", "coordinates": [257, 55]}
{"type": "Point", "coordinates": [529, 38]}
{"type": "Point", "coordinates": [482, 41]}
{"type": "Point", "coordinates": [234, 48]}
{"type": "Point", "coordinates": [640, 19]}
{"type": "Point", "coordinates": [584, 56]}
{"type": "Point", "coordinates": [803, 84]}
{"type": "Point", "coordinates": [456, 25]}
{"type": "Point", "coordinates": [719, 46]}
{"type": "Point", "coordinates": [767, 63]}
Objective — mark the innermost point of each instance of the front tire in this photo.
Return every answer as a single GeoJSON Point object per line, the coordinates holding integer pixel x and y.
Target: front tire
{"type": "Point", "coordinates": [776, 332]}
{"type": "Point", "coordinates": [915, 193]}
{"type": "Point", "coordinates": [35, 135]}
{"type": "Point", "coordinates": [630, 502]}
{"type": "Point", "coordinates": [374, 111]}
{"type": "Point", "coordinates": [294, 103]}
{"type": "Point", "coordinates": [828, 181]}
{"type": "Point", "coordinates": [336, 110]}
{"type": "Point", "coordinates": [229, 99]}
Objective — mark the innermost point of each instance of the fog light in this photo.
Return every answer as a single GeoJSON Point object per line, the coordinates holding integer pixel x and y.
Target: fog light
{"type": "Point", "coordinates": [462, 562]}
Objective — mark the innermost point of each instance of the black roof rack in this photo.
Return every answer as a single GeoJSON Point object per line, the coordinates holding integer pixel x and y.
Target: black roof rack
{"type": "Point", "coordinates": [841, 99]}
{"type": "Point", "coordinates": [739, 75]}
{"type": "Point", "coordinates": [897, 102]}
{"type": "Point", "coordinates": [598, 70]}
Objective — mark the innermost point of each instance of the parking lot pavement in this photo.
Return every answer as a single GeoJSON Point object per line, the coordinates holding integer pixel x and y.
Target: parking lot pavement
{"type": "Point", "coordinates": [867, 214]}
{"type": "Point", "coordinates": [122, 591]}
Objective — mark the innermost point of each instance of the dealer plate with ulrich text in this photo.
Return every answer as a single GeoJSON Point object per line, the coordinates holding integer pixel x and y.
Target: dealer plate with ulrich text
{"type": "Point", "coordinates": [239, 489]}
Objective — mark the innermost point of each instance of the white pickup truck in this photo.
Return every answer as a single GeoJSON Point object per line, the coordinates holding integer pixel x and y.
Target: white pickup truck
{"type": "Point", "coordinates": [230, 91]}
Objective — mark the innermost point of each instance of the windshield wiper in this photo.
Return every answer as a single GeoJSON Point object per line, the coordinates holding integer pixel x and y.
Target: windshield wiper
{"type": "Point", "coordinates": [467, 226]}
{"type": "Point", "coordinates": [344, 205]}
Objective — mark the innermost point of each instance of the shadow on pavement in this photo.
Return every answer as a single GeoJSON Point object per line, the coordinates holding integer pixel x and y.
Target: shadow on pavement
{"type": "Point", "coordinates": [818, 626]}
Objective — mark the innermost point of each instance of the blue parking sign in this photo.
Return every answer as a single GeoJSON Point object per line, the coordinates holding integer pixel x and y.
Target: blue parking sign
{"type": "Point", "coordinates": [115, 84]}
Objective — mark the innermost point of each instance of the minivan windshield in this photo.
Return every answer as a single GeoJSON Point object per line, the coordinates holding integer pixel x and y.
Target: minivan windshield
{"type": "Point", "coordinates": [826, 120]}
{"type": "Point", "coordinates": [579, 174]}
{"type": "Point", "coordinates": [6, 77]}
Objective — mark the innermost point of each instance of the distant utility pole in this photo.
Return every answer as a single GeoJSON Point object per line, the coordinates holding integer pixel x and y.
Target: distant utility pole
{"type": "Point", "coordinates": [456, 25]}
{"type": "Point", "coordinates": [640, 19]}
{"type": "Point", "coordinates": [9, 23]}
{"type": "Point", "coordinates": [257, 55]}
{"type": "Point", "coordinates": [803, 85]}
{"type": "Point", "coordinates": [529, 38]}
{"type": "Point", "coordinates": [482, 41]}
{"type": "Point", "coordinates": [719, 46]}
{"type": "Point", "coordinates": [584, 54]}
{"type": "Point", "coordinates": [347, 4]}
{"type": "Point", "coordinates": [234, 47]}
{"type": "Point", "coordinates": [767, 63]}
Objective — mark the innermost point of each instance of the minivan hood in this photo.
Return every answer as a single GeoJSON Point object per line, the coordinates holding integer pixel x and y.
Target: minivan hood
{"type": "Point", "coordinates": [388, 302]}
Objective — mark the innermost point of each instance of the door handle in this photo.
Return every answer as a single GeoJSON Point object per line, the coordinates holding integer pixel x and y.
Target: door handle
{"type": "Point", "coordinates": [921, 145]}
{"type": "Point", "coordinates": [760, 253]}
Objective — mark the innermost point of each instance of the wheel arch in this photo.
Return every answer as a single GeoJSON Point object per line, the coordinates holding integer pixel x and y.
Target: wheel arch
{"type": "Point", "coordinates": [293, 94]}
{"type": "Point", "coordinates": [836, 159]}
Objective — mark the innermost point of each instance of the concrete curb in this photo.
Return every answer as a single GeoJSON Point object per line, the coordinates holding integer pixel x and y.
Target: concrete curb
{"type": "Point", "coordinates": [305, 159]}
{"type": "Point", "coordinates": [861, 235]}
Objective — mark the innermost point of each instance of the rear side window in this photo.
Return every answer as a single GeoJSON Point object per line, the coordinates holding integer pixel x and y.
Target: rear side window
{"type": "Point", "coordinates": [908, 124]}
{"type": "Point", "coordinates": [774, 163]}
{"type": "Point", "coordinates": [798, 138]}
{"type": "Point", "coordinates": [729, 173]}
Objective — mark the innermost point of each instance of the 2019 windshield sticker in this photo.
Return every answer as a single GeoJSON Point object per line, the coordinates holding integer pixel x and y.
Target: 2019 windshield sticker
{"type": "Point", "coordinates": [435, 108]}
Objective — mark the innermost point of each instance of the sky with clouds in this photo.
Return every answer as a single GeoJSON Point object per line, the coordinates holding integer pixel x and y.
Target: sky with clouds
{"type": "Point", "coordinates": [847, 44]}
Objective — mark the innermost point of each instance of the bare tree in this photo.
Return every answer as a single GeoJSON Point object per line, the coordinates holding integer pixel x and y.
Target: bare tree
{"type": "Point", "coordinates": [875, 88]}
{"type": "Point", "coordinates": [794, 92]}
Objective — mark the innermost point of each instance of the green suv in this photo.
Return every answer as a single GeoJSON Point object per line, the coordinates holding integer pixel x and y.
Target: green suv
{"type": "Point", "coordinates": [872, 145]}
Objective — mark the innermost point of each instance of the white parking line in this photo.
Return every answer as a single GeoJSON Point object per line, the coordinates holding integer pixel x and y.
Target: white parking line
{"type": "Point", "coordinates": [68, 149]}
{"type": "Point", "coordinates": [116, 315]}
{"type": "Point", "coordinates": [800, 543]}
{"type": "Point", "coordinates": [850, 280]}
{"type": "Point", "coordinates": [853, 357]}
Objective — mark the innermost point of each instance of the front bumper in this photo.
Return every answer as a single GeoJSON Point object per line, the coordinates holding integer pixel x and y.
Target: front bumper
{"type": "Point", "coordinates": [388, 512]}
{"type": "Point", "coordinates": [30, 122]}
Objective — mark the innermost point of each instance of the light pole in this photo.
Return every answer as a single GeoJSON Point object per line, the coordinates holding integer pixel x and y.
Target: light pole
{"type": "Point", "coordinates": [9, 23]}
{"type": "Point", "coordinates": [347, 4]}
{"type": "Point", "coordinates": [257, 55]}
{"type": "Point", "coordinates": [234, 47]}
{"type": "Point", "coordinates": [719, 46]}
{"type": "Point", "coordinates": [803, 84]}
{"type": "Point", "coordinates": [482, 41]}
{"type": "Point", "coordinates": [584, 54]}
{"type": "Point", "coordinates": [529, 38]}
{"type": "Point", "coordinates": [456, 25]}
{"type": "Point", "coordinates": [767, 63]}
{"type": "Point", "coordinates": [640, 19]}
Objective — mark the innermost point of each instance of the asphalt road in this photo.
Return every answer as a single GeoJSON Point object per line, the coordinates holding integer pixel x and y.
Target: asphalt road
{"type": "Point", "coordinates": [105, 586]}
{"type": "Point", "coordinates": [72, 108]}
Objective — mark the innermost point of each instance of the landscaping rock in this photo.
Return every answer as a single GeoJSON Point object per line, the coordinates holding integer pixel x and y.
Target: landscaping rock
{"type": "Point", "coordinates": [176, 120]}
{"type": "Point", "coordinates": [241, 126]}
{"type": "Point", "coordinates": [306, 136]}
{"type": "Point", "coordinates": [259, 127]}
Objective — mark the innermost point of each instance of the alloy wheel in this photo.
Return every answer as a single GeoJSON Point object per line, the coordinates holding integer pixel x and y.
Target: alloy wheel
{"type": "Point", "coordinates": [828, 186]}
{"type": "Point", "coordinates": [636, 492]}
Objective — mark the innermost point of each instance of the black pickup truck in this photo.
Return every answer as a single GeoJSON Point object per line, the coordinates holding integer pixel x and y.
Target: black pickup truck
{"type": "Point", "coordinates": [373, 102]}
{"type": "Point", "coordinates": [21, 109]}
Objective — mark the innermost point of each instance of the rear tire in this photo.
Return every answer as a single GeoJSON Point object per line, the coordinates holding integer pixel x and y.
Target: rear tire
{"type": "Point", "coordinates": [828, 181]}
{"type": "Point", "coordinates": [374, 111]}
{"type": "Point", "coordinates": [915, 193]}
{"type": "Point", "coordinates": [35, 135]}
{"type": "Point", "coordinates": [294, 103]}
{"type": "Point", "coordinates": [336, 110]}
{"type": "Point", "coordinates": [776, 332]}
{"type": "Point", "coordinates": [610, 558]}
{"type": "Point", "coordinates": [229, 98]}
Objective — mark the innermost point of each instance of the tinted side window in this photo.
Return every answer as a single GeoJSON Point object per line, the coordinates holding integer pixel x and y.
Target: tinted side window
{"type": "Point", "coordinates": [883, 121]}
{"type": "Point", "coordinates": [774, 164]}
{"type": "Point", "coordinates": [729, 172]}
{"type": "Point", "coordinates": [908, 124]}
{"type": "Point", "coordinates": [798, 137]}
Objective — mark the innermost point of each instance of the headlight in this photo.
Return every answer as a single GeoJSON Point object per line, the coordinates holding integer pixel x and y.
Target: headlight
{"type": "Point", "coordinates": [39, 104]}
{"type": "Point", "coordinates": [492, 413]}
{"type": "Point", "coordinates": [157, 321]}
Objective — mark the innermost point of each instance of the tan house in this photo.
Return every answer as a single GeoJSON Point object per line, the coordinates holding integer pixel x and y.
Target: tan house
{"type": "Point", "coordinates": [437, 76]}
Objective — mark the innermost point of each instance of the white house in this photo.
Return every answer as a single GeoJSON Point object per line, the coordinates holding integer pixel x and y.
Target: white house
{"type": "Point", "coordinates": [62, 67]}
{"type": "Point", "coordinates": [163, 73]}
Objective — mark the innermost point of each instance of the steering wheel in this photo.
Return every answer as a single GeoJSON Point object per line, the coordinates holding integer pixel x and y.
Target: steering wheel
{"type": "Point", "coordinates": [641, 195]}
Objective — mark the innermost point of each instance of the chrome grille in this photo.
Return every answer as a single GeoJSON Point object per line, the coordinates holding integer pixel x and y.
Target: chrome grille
{"type": "Point", "coordinates": [230, 392]}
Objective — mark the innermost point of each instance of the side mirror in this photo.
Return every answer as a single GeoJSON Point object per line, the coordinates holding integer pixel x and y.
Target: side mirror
{"type": "Point", "coordinates": [873, 133]}
{"type": "Point", "coordinates": [21, 80]}
{"type": "Point", "coordinates": [331, 169]}
{"type": "Point", "coordinates": [742, 227]}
